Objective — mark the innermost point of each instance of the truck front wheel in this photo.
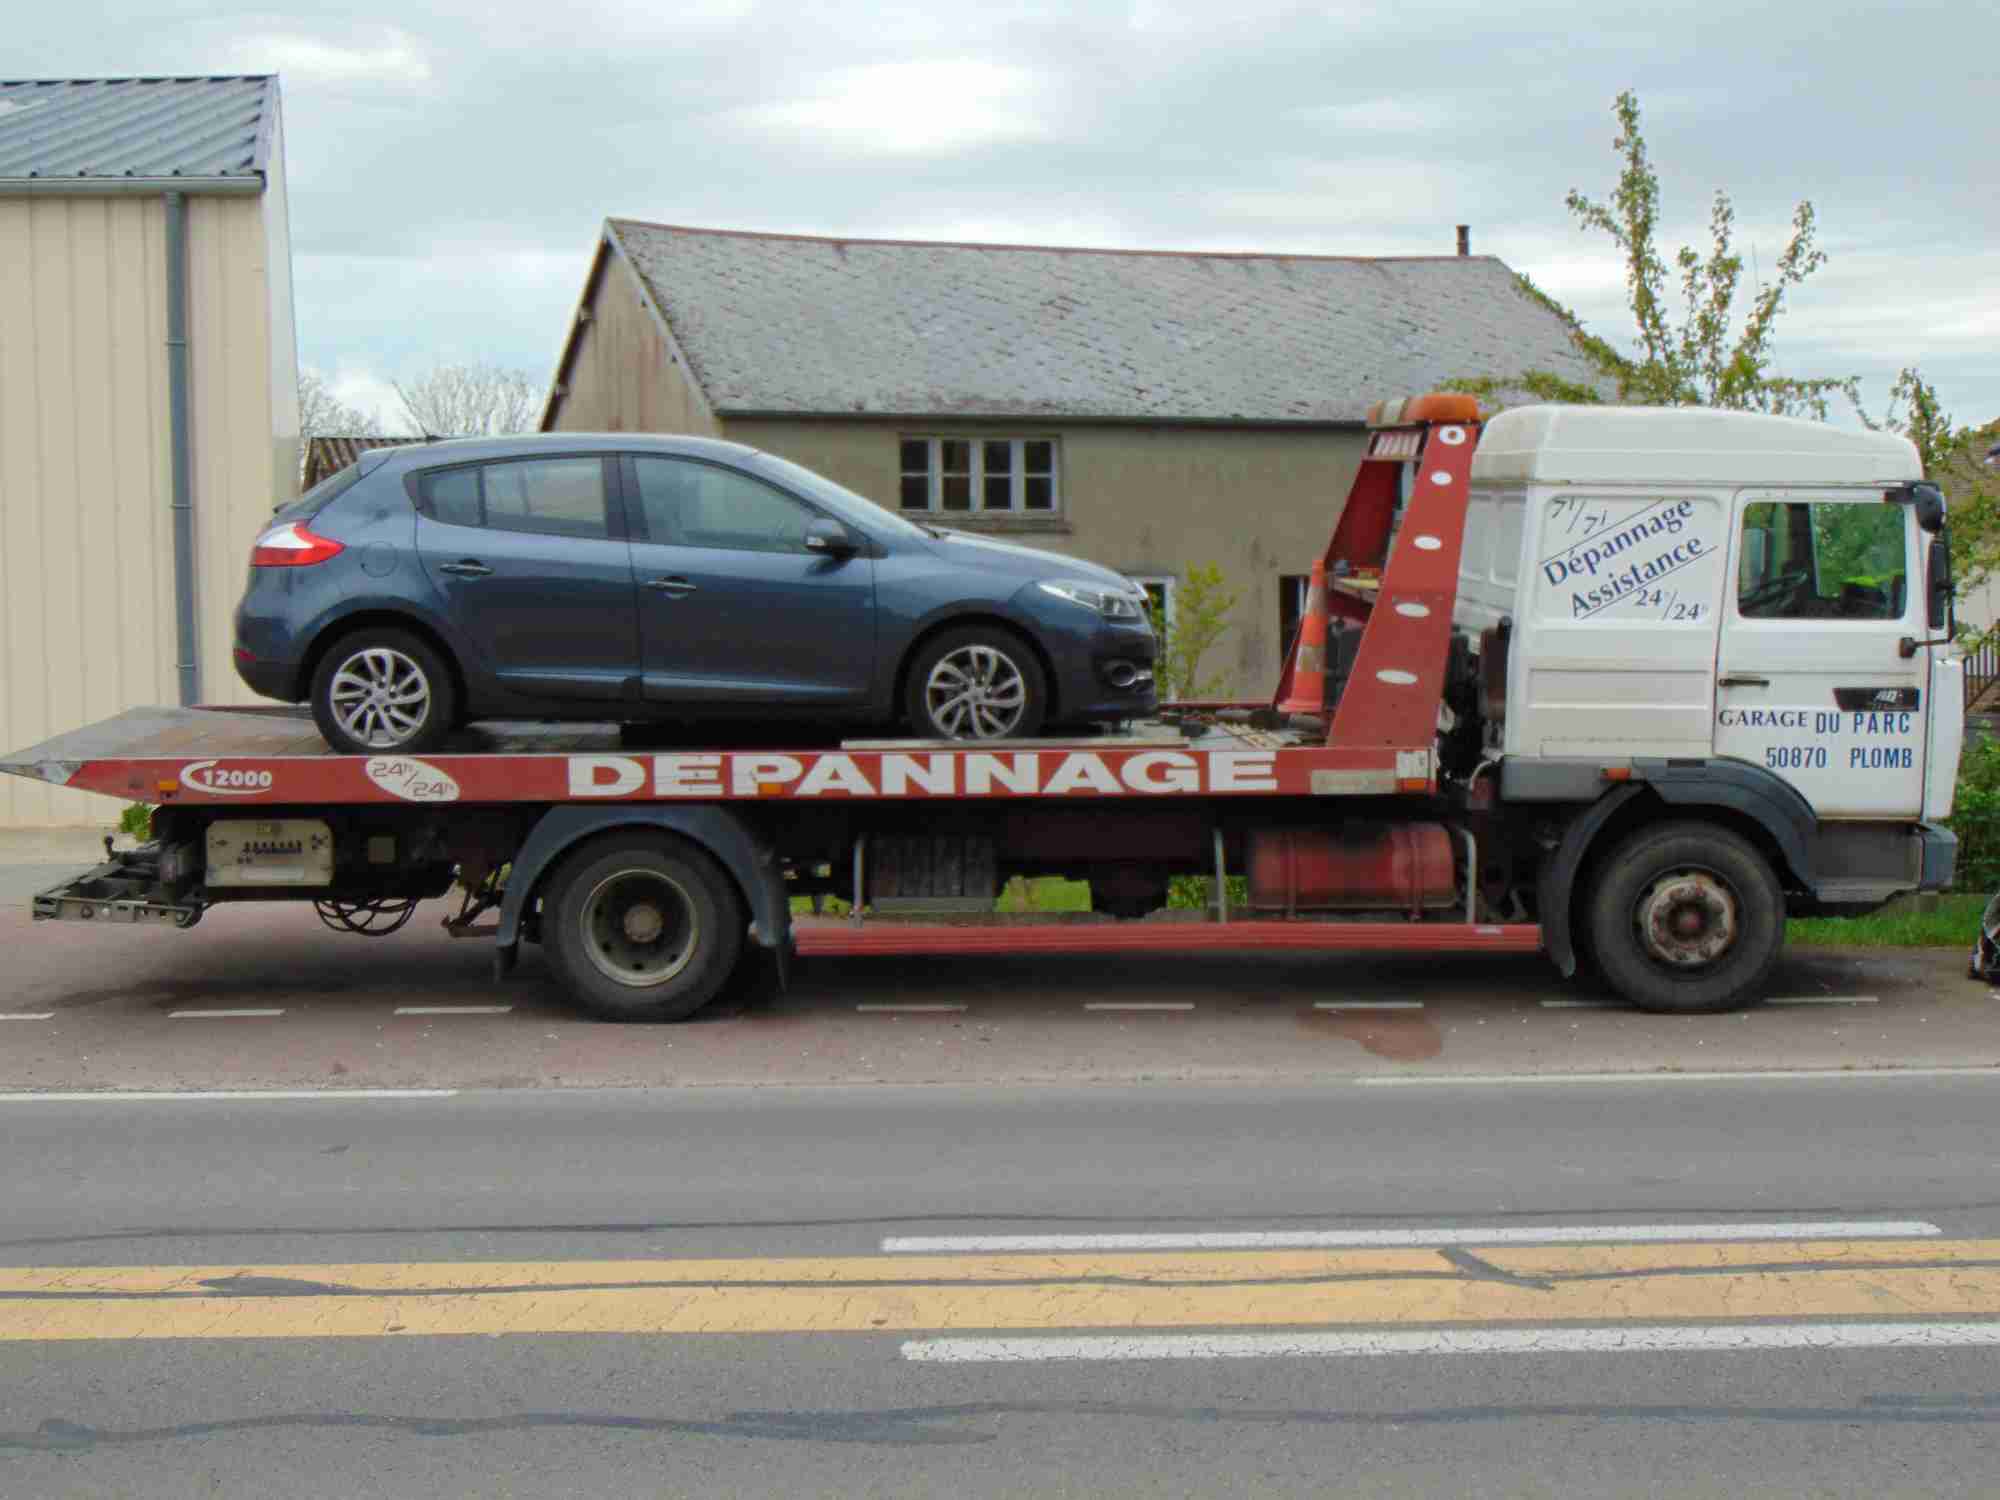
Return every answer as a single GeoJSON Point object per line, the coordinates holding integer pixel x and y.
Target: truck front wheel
{"type": "Point", "coordinates": [1686, 919]}
{"type": "Point", "coordinates": [642, 927]}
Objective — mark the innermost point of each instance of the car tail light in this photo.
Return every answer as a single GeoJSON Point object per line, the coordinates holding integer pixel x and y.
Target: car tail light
{"type": "Point", "coordinates": [292, 546]}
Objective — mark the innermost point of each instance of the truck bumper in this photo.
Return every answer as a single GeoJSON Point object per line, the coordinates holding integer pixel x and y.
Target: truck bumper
{"type": "Point", "coordinates": [1940, 857]}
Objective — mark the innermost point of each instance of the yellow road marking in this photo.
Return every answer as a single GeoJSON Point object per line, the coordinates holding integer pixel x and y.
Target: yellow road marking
{"type": "Point", "coordinates": [861, 1294]}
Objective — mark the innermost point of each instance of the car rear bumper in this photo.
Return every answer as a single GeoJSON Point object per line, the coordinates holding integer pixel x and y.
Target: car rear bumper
{"type": "Point", "coordinates": [267, 679]}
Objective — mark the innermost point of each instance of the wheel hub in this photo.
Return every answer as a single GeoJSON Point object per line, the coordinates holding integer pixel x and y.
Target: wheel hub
{"type": "Point", "coordinates": [1687, 919]}
{"type": "Point", "coordinates": [644, 922]}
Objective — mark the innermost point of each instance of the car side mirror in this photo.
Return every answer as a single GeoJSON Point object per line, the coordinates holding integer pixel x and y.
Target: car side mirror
{"type": "Point", "coordinates": [830, 539]}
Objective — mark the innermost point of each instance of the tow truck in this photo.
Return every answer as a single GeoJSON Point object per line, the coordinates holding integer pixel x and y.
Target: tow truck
{"type": "Point", "coordinates": [1623, 686]}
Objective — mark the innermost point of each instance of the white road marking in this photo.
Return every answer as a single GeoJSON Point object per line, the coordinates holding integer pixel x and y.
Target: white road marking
{"type": "Point", "coordinates": [27, 1015]}
{"type": "Point", "coordinates": [1581, 1005]}
{"type": "Point", "coordinates": [909, 1009]}
{"type": "Point", "coordinates": [220, 1015]}
{"type": "Point", "coordinates": [1355, 1239]}
{"type": "Point", "coordinates": [453, 1010]}
{"type": "Point", "coordinates": [1826, 1000]}
{"type": "Point", "coordinates": [114, 1096]}
{"type": "Point", "coordinates": [1138, 1005]}
{"type": "Point", "coordinates": [1717, 1338]}
{"type": "Point", "coordinates": [1368, 1005]}
{"type": "Point", "coordinates": [1747, 1075]}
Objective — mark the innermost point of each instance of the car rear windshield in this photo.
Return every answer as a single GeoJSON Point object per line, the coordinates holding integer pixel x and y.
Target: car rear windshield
{"type": "Point", "coordinates": [320, 495]}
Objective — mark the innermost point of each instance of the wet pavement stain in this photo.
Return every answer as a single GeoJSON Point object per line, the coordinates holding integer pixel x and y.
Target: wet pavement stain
{"type": "Point", "coordinates": [1400, 1035]}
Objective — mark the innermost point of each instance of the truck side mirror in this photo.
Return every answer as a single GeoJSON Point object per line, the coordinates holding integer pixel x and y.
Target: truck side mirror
{"type": "Point", "coordinates": [1927, 499]}
{"type": "Point", "coordinates": [1939, 575]}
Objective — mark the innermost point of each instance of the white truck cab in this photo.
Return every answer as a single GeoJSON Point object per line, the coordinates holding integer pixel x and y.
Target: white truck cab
{"type": "Point", "coordinates": [1721, 590]}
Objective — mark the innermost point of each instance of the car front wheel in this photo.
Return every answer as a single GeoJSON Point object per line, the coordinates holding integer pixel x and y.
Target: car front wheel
{"type": "Point", "coordinates": [383, 691]}
{"type": "Point", "coordinates": [977, 683]}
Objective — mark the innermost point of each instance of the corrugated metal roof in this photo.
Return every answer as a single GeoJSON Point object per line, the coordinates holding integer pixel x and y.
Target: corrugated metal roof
{"type": "Point", "coordinates": [785, 324]}
{"type": "Point", "coordinates": [136, 127]}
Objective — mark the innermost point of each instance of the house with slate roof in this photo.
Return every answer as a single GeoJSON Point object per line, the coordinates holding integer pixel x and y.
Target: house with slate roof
{"type": "Point", "coordinates": [148, 395]}
{"type": "Point", "coordinates": [1144, 409]}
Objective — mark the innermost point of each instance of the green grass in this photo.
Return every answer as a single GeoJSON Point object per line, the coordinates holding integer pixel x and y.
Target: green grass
{"type": "Point", "coordinates": [1954, 924]}
{"type": "Point", "coordinates": [1045, 893]}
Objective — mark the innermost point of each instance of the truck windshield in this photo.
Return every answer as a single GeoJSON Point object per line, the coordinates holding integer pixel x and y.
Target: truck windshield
{"type": "Point", "coordinates": [1822, 561]}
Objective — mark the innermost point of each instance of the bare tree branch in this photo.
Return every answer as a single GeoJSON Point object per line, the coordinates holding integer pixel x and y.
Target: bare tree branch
{"type": "Point", "coordinates": [471, 401]}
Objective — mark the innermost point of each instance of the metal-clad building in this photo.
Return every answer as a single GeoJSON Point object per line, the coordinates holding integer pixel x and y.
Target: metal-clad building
{"type": "Point", "coordinates": [1147, 410]}
{"type": "Point", "coordinates": [126, 510]}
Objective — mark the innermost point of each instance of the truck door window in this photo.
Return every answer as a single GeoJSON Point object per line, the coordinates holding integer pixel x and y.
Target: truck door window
{"type": "Point", "coordinates": [1824, 561]}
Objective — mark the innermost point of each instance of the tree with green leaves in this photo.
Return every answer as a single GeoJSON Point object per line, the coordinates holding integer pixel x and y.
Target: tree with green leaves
{"type": "Point", "coordinates": [1202, 601]}
{"type": "Point", "coordinates": [1954, 458]}
{"type": "Point", "coordinates": [1698, 356]}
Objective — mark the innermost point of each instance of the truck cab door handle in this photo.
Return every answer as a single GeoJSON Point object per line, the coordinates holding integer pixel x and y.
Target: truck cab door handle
{"type": "Point", "coordinates": [466, 567]}
{"type": "Point", "coordinates": [1742, 679]}
{"type": "Point", "coordinates": [672, 584]}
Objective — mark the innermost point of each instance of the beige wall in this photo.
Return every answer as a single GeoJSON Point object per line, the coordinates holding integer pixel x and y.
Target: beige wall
{"type": "Point", "coordinates": [623, 375]}
{"type": "Point", "coordinates": [86, 530]}
{"type": "Point", "coordinates": [1258, 502]}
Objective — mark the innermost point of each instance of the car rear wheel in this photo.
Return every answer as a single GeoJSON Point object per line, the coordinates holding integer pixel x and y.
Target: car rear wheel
{"type": "Point", "coordinates": [383, 692]}
{"type": "Point", "coordinates": [978, 683]}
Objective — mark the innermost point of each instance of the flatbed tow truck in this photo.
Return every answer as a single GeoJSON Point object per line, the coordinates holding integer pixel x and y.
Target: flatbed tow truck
{"type": "Point", "coordinates": [1623, 686]}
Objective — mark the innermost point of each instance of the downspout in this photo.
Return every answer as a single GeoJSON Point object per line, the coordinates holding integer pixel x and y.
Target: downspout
{"type": "Point", "coordinates": [181, 455]}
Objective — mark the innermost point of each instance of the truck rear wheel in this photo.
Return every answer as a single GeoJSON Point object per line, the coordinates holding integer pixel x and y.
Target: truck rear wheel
{"type": "Point", "coordinates": [642, 927]}
{"type": "Point", "coordinates": [1686, 919]}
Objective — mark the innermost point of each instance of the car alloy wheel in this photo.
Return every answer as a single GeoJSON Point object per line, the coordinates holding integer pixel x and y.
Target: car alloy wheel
{"type": "Point", "coordinates": [976, 693]}
{"type": "Point", "coordinates": [380, 697]}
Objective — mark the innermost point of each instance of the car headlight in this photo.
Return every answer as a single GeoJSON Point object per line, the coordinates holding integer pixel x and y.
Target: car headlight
{"type": "Point", "coordinates": [1113, 604]}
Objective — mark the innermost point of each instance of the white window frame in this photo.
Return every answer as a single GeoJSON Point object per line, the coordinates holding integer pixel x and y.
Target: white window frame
{"type": "Point", "coordinates": [1165, 584]}
{"type": "Point", "coordinates": [1018, 488]}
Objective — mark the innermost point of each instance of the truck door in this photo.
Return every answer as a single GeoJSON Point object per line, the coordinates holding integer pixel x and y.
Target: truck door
{"type": "Point", "coordinates": [1811, 680]}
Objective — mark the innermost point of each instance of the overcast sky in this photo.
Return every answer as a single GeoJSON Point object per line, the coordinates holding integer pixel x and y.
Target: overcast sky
{"type": "Point", "coordinates": [450, 164]}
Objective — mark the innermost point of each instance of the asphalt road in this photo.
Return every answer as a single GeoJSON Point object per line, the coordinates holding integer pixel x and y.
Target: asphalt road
{"type": "Point", "coordinates": [1657, 1287]}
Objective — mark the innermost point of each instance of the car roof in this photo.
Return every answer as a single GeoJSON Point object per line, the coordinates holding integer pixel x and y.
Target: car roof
{"type": "Point", "coordinates": [440, 451]}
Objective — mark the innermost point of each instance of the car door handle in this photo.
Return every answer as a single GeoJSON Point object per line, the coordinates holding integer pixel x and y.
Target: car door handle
{"type": "Point", "coordinates": [675, 586]}
{"type": "Point", "coordinates": [1742, 679]}
{"type": "Point", "coordinates": [467, 567]}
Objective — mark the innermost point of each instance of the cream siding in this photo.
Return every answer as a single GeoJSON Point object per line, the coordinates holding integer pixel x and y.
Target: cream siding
{"type": "Point", "coordinates": [624, 374]}
{"type": "Point", "coordinates": [86, 527]}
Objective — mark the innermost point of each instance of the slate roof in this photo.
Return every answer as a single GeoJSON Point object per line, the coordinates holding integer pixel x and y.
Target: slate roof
{"type": "Point", "coordinates": [783, 324]}
{"type": "Point", "coordinates": [91, 128]}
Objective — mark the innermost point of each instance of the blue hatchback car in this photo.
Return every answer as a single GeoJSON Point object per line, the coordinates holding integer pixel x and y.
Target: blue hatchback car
{"type": "Point", "coordinates": [635, 579]}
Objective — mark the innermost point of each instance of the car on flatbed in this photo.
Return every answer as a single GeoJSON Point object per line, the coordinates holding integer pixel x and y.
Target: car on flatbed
{"type": "Point", "coordinates": [615, 577]}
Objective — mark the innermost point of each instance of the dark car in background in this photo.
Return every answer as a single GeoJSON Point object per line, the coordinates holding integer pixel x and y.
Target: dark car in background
{"type": "Point", "coordinates": [639, 579]}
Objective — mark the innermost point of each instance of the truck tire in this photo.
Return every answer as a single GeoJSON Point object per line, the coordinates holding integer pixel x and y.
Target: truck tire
{"type": "Point", "coordinates": [382, 691]}
{"type": "Point", "coordinates": [642, 927]}
{"type": "Point", "coordinates": [1687, 919]}
{"type": "Point", "coordinates": [976, 683]}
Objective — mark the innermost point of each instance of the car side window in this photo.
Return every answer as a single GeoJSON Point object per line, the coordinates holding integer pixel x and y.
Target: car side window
{"type": "Point", "coordinates": [548, 496]}
{"type": "Point", "coordinates": [691, 504]}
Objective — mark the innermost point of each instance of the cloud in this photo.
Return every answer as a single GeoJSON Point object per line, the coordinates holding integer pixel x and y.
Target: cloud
{"type": "Point", "coordinates": [909, 108]}
{"type": "Point", "coordinates": [394, 60]}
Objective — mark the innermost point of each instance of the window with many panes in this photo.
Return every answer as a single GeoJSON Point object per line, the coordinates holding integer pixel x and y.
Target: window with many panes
{"type": "Point", "coordinates": [997, 475]}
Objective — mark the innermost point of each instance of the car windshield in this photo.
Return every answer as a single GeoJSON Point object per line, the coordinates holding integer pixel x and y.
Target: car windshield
{"type": "Point", "coordinates": [842, 501]}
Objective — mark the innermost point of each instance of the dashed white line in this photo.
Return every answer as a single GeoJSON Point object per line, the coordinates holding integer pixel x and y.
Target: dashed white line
{"type": "Point", "coordinates": [27, 1015]}
{"type": "Point", "coordinates": [1746, 1075]}
{"type": "Point", "coordinates": [1826, 1000]}
{"type": "Point", "coordinates": [1715, 1338]}
{"type": "Point", "coordinates": [1368, 1005]}
{"type": "Point", "coordinates": [1367, 1239]}
{"type": "Point", "coordinates": [116, 1096]}
{"type": "Point", "coordinates": [1138, 1005]}
{"type": "Point", "coordinates": [453, 1010]}
{"type": "Point", "coordinates": [220, 1015]}
{"type": "Point", "coordinates": [909, 1010]}
{"type": "Point", "coordinates": [1581, 1005]}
